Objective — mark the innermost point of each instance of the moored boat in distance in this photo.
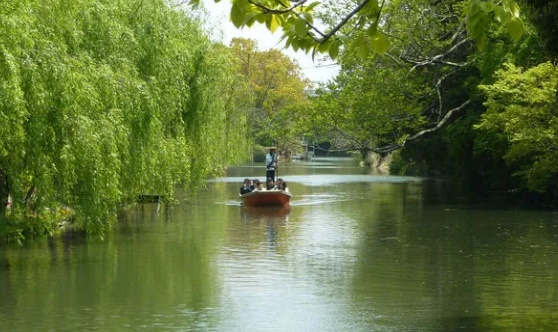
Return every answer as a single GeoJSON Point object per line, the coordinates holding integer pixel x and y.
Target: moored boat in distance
{"type": "Point", "coordinates": [267, 198]}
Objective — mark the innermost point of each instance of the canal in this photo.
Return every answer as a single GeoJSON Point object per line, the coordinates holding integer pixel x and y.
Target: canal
{"type": "Point", "coordinates": [357, 251]}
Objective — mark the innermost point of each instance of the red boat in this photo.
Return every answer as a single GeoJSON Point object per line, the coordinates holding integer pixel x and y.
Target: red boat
{"type": "Point", "coordinates": [267, 198]}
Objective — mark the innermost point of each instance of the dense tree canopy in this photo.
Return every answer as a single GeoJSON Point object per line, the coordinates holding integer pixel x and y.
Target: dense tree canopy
{"type": "Point", "coordinates": [522, 105]}
{"type": "Point", "coordinates": [423, 96]}
{"type": "Point", "coordinates": [277, 94]}
{"type": "Point", "coordinates": [104, 100]}
{"type": "Point", "coordinates": [379, 103]}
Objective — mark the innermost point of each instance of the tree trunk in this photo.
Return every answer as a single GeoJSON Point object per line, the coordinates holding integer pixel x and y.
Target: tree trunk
{"type": "Point", "coordinates": [4, 192]}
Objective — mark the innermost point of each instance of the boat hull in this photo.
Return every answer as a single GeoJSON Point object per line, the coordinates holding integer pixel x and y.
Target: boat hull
{"type": "Point", "coordinates": [267, 198]}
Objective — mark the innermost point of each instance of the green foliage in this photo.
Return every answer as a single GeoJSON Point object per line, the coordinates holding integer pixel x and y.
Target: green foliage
{"type": "Point", "coordinates": [481, 15]}
{"type": "Point", "coordinates": [358, 27]}
{"type": "Point", "coordinates": [544, 17]}
{"type": "Point", "coordinates": [378, 102]}
{"type": "Point", "coordinates": [474, 159]}
{"type": "Point", "coordinates": [276, 94]}
{"type": "Point", "coordinates": [370, 106]}
{"type": "Point", "coordinates": [522, 105]}
{"type": "Point", "coordinates": [105, 100]}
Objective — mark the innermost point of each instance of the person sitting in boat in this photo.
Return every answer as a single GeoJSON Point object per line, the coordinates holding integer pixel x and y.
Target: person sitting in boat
{"type": "Point", "coordinates": [278, 184]}
{"type": "Point", "coordinates": [258, 185]}
{"type": "Point", "coordinates": [270, 184]}
{"type": "Point", "coordinates": [282, 185]}
{"type": "Point", "coordinates": [246, 187]}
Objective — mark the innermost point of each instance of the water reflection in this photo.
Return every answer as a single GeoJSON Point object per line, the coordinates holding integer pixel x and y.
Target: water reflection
{"type": "Point", "coordinates": [250, 213]}
{"type": "Point", "coordinates": [270, 218]}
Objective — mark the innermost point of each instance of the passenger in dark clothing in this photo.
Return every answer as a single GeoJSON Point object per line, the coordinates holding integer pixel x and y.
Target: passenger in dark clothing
{"type": "Point", "coordinates": [269, 184]}
{"type": "Point", "coordinates": [246, 187]}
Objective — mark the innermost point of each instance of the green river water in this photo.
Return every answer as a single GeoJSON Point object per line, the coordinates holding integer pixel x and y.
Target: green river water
{"type": "Point", "coordinates": [356, 252]}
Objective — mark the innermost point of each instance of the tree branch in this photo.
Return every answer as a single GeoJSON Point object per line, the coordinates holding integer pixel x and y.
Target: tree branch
{"type": "Point", "coordinates": [278, 11]}
{"type": "Point", "coordinates": [437, 59]}
{"type": "Point", "coordinates": [438, 125]}
{"type": "Point", "coordinates": [344, 21]}
{"type": "Point", "coordinates": [449, 115]}
{"type": "Point", "coordinates": [324, 36]}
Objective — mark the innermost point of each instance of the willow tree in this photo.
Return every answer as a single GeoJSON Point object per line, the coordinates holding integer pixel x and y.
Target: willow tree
{"type": "Point", "coordinates": [102, 101]}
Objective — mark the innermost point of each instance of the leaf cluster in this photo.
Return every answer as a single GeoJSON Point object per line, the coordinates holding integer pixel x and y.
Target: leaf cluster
{"type": "Point", "coordinates": [522, 106]}
{"type": "Point", "coordinates": [357, 26]}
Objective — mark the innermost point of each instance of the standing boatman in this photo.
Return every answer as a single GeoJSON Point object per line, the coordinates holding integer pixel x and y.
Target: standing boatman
{"type": "Point", "coordinates": [271, 163]}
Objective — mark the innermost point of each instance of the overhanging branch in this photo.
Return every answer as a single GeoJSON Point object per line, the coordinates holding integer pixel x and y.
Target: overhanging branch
{"type": "Point", "coordinates": [439, 125]}
{"type": "Point", "coordinates": [361, 146]}
{"type": "Point", "coordinates": [449, 115]}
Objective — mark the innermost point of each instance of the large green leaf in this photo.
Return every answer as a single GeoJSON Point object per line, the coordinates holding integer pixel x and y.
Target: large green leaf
{"type": "Point", "coordinates": [301, 28]}
{"type": "Point", "coordinates": [238, 14]}
{"type": "Point", "coordinates": [515, 28]}
{"type": "Point", "coordinates": [380, 43]}
{"type": "Point", "coordinates": [274, 23]}
{"type": "Point", "coordinates": [334, 49]}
